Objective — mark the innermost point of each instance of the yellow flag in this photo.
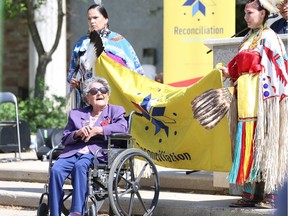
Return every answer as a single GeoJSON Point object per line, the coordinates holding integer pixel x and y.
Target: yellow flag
{"type": "Point", "coordinates": [167, 131]}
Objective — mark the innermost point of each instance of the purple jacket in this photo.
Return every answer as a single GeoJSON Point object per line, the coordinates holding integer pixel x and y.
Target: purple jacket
{"type": "Point", "coordinates": [112, 114]}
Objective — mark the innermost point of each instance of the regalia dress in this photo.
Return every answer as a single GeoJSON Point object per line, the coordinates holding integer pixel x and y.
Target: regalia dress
{"type": "Point", "coordinates": [259, 71]}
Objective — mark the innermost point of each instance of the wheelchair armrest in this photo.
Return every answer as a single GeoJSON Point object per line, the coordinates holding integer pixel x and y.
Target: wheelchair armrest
{"type": "Point", "coordinates": [52, 152]}
{"type": "Point", "coordinates": [120, 136]}
{"type": "Point", "coordinates": [119, 140]}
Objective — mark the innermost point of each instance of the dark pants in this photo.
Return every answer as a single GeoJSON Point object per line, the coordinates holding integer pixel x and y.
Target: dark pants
{"type": "Point", "coordinates": [76, 165]}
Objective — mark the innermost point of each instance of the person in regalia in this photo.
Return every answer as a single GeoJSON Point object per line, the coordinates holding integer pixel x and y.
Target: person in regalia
{"type": "Point", "coordinates": [259, 74]}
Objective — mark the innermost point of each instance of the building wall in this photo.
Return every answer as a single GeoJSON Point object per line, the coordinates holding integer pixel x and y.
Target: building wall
{"type": "Point", "coordinates": [15, 57]}
{"type": "Point", "coordinates": [139, 21]}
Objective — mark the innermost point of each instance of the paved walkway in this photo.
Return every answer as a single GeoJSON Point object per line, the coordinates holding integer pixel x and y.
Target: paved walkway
{"type": "Point", "coordinates": [16, 211]}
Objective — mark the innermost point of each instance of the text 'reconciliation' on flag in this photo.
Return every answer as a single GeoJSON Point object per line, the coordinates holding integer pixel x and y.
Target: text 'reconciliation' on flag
{"type": "Point", "coordinates": [187, 25]}
{"type": "Point", "coordinates": [167, 131]}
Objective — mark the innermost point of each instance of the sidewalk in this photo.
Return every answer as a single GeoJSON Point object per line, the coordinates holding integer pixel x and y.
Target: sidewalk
{"type": "Point", "coordinates": [16, 211]}
{"type": "Point", "coordinates": [21, 184]}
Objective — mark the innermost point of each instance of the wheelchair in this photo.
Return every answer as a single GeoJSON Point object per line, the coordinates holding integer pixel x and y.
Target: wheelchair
{"type": "Point", "coordinates": [120, 180]}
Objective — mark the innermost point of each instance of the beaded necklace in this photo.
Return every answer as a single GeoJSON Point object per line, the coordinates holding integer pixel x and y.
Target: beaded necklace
{"type": "Point", "coordinates": [256, 34]}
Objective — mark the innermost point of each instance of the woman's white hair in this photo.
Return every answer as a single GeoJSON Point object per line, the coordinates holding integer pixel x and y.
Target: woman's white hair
{"type": "Point", "coordinates": [95, 79]}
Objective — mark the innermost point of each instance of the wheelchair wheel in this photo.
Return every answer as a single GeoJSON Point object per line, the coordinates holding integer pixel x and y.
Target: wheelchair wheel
{"type": "Point", "coordinates": [126, 195]}
{"type": "Point", "coordinates": [42, 210]}
{"type": "Point", "coordinates": [92, 211]}
{"type": "Point", "coordinates": [93, 206]}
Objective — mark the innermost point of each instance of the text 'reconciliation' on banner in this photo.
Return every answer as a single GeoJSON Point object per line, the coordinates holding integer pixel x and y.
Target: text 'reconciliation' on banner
{"type": "Point", "coordinates": [187, 25]}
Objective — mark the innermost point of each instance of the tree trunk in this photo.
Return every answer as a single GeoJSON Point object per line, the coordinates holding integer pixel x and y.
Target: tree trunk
{"type": "Point", "coordinates": [39, 90]}
{"type": "Point", "coordinates": [44, 57]}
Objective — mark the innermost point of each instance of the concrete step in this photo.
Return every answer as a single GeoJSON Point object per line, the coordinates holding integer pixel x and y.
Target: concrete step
{"type": "Point", "coordinates": [32, 170]}
{"type": "Point", "coordinates": [22, 183]}
{"type": "Point", "coordinates": [27, 194]}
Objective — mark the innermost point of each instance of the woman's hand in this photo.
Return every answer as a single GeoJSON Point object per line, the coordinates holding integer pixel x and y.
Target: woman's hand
{"type": "Point", "coordinates": [74, 83]}
{"type": "Point", "coordinates": [87, 132]}
{"type": "Point", "coordinates": [83, 132]}
{"type": "Point", "coordinates": [97, 130]}
{"type": "Point", "coordinates": [224, 70]}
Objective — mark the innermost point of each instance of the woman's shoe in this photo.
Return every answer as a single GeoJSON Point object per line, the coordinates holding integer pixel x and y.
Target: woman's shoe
{"type": "Point", "coordinates": [243, 203]}
{"type": "Point", "coordinates": [268, 202]}
{"type": "Point", "coordinates": [266, 205]}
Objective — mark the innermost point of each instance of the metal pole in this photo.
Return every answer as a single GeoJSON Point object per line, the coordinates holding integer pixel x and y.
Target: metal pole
{"type": "Point", "coordinates": [1, 41]}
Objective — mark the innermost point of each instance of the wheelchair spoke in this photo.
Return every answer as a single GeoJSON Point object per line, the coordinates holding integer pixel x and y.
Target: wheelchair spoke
{"type": "Point", "coordinates": [120, 176]}
{"type": "Point", "coordinates": [141, 172]}
{"type": "Point", "coordinates": [141, 200]}
{"type": "Point", "coordinates": [131, 204]}
{"type": "Point", "coordinates": [121, 194]}
{"type": "Point", "coordinates": [127, 181]}
{"type": "Point", "coordinates": [131, 167]}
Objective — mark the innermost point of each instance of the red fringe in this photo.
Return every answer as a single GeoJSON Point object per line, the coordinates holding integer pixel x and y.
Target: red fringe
{"type": "Point", "coordinates": [251, 159]}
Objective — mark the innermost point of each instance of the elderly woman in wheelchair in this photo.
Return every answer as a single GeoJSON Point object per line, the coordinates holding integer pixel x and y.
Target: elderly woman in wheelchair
{"type": "Point", "coordinates": [86, 132]}
{"type": "Point", "coordinates": [100, 161]}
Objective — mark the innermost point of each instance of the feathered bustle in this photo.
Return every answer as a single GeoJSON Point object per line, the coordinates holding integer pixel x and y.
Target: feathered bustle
{"type": "Point", "coordinates": [211, 106]}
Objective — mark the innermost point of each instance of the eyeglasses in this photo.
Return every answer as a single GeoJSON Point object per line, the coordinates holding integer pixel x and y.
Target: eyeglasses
{"type": "Point", "coordinates": [94, 91]}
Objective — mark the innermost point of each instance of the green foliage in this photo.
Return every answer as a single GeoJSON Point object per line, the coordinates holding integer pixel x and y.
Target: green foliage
{"type": "Point", "coordinates": [13, 8]}
{"type": "Point", "coordinates": [47, 113]}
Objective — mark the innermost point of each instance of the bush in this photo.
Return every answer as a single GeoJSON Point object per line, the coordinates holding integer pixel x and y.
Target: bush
{"type": "Point", "coordinates": [47, 113]}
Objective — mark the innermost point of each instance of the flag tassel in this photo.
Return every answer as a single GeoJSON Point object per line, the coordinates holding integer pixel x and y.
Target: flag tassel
{"type": "Point", "coordinates": [211, 106]}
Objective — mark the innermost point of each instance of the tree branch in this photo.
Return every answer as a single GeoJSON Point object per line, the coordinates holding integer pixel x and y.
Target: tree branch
{"type": "Point", "coordinates": [59, 28]}
{"type": "Point", "coordinates": [33, 28]}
